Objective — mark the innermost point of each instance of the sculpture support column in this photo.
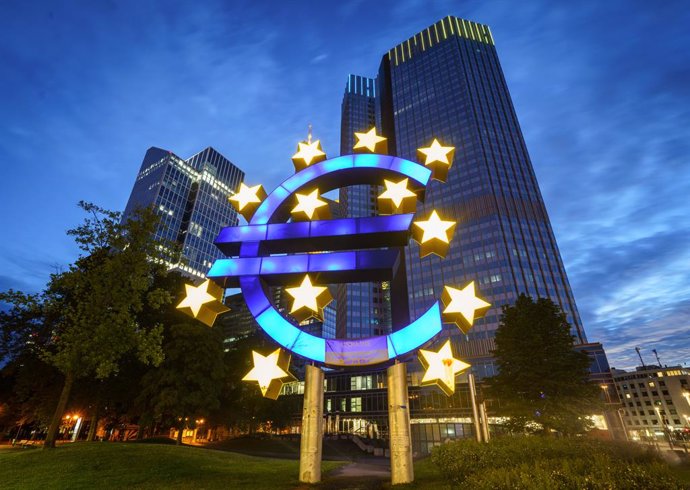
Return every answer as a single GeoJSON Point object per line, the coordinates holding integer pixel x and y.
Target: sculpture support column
{"type": "Point", "coordinates": [402, 470]}
{"type": "Point", "coordinates": [475, 412]}
{"type": "Point", "coordinates": [485, 421]}
{"type": "Point", "coordinates": [312, 427]}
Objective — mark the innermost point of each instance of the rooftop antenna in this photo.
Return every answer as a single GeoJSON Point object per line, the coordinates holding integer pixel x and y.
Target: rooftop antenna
{"type": "Point", "coordinates": [309, 134]}
{"type": "Point", "coordinates": [640, 355]}
{"type": "Point", "coordinates": [657, 358]}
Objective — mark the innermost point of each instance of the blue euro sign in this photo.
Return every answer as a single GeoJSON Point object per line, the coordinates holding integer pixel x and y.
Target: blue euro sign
{"type": "Point", "coordinates": [252, 263]}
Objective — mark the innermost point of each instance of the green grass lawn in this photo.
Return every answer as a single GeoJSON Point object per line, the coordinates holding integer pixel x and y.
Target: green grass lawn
{"type": "Point", "coordinates": [333, 450]}
{"type": "Point", "coordinates": [118, 465]}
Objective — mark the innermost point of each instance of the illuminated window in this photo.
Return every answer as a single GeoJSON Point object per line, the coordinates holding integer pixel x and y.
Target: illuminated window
{"type": "Point", "coordinates": [356, 404]}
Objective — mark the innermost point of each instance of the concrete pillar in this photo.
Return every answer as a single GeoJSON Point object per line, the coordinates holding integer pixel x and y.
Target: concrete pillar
{"type": "Point", "coordinates": [485, 421]}
{"type": "Point", "coordinates": [402, 470]}
{"type": "Point", "coordinates": [475, 412]}
{"type": "Point", "coordinates": [312, 427]}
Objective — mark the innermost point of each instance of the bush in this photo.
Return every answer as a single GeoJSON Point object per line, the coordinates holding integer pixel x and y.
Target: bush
{"type": "Point", "coordinates": [550, 463]}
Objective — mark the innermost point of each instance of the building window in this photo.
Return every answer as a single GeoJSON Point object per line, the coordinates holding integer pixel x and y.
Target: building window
{"type": "Point", "coordinates": [356, 404]}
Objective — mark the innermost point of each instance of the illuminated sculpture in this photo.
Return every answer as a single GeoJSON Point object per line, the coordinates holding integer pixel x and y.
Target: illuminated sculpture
{"type": "Point", "coordinates": [311, 251]}
{"type": "Point", "coordinates": [268, 252]}
{"type": "Point", "coordinates": [308, 153]}
{"type": "Point", "coordinates": [270, 372]}
{"type": "Point", "coordinates": [309, 207]}
{"type": "Point", "coordinates": [441, 368]}
{"type": "Point", "coordinates": [397, 198]}
{"type": "Point", "coordinates": [438, 158]}
{"type": "Point", "coordinates": [370, 142]}
{"type": "Point", "coordinates": [433, 235]}
{"type": "Point", "coordinates": [203, 302]}
{"type": "Point", "coordinates": [247, 199]}
{"type": "Point", "coordinates": [309, 300]}
{"type": "Point", "coordinates": [462, 306]}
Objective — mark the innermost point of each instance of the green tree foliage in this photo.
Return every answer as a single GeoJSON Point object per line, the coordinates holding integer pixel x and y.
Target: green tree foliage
{"type": "Point", "coordinates": [187, 385]}
{"type": "Point", "coordinates": [541, 378]}
{"type": "Point", "coordinates": [86, 320]}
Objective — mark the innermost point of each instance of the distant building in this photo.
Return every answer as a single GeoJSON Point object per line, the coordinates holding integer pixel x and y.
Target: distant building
{"type": "Point", "coordinates": [656, 401]}
{"type": "Point", "coordinates": [238, 322]}
{"type": "Point", "coordinates": [191, 198]}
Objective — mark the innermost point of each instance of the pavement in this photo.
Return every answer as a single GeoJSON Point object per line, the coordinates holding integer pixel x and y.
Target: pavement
{"type": "Point", "coordinates": [370, 475]}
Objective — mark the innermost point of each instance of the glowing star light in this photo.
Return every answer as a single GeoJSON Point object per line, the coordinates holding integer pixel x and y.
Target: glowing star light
{"type": "Point", "coordinates": [309, 206]}
{"type": "Point", "coordinates": [462, 306]}
{"type": "Point", "coordinates": [438, 158]}
{"type": "Point", "coordinates": [309, 300]}
{"type": "Point", "coordinates": [441, 368]}
{"type": "Point", "coordinates": [370, 142]}
{"type": "Point", "coordinates": [270, 372]}
{"type": "Point", "coordinates": [433, 235]}
{"type": "Point", "coordinates": [248, 199]}
{"type": "Point", "coordinates": [308, 153]}
{"type": "Point", "coordinates": [397, 198]}
{"type": "Point", "coordinates": [203, 302]}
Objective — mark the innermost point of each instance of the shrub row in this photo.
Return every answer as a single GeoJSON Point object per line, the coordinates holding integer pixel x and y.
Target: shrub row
{"type": "Point", "coordinates": [552, 463]}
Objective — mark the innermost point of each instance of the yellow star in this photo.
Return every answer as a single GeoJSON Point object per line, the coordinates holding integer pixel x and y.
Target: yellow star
{"type": "Point", "coordinates": [309, 300]}
{"type": "Point", "coordinates": [270, 371]}
{"type": "Point", "coordinates": [307, 154]}
{"type": "Point", "coordinates": [370, 142]}
{"type": "Point", "coordinates": [433, 235]}
{"type": "Point", "coordinates": [441, 368]}
{"type": "Point", "coordinates": [309, 206]}
{"type": "Point", "coordinates": [397, 198]}
{"type": "Point", "coordinates": [438, 158]}
{"type": "Point", "coordinates": [203, 302]}
{"type": "Point", "coordinates": [462, 306]}
{"type": "Point", "coordinates": [248, 199]}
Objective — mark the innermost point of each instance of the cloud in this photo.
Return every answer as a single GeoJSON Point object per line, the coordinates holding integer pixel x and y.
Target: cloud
{"type": "Point", "coordinates": [319, 58]}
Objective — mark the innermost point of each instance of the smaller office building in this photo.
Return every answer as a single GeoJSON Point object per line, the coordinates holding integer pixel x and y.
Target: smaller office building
{"type": "Point", "coordinates": [656, 401]}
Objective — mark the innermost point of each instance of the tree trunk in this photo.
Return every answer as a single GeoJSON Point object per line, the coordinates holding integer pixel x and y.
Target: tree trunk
{"type": "Point", "coordinates": [94, 423]}
{"type": "Point", "coordinates": [59, 410]}
{"type": "Point", "coordinates": [179, 434]}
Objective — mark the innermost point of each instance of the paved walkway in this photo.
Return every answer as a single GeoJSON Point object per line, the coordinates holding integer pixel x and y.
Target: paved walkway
{"type": "Point", "coordinates": [363, 469]}
{"type": "Point", "coordinates": [359, 476]}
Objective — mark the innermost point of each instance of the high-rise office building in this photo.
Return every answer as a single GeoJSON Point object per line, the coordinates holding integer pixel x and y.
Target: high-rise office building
{"type": "Point", "coordinates": [362, 308]}
{"type": "Point", "coordinates": [191, 198]}
{"type": "Point", "coordinates": [446, 82]}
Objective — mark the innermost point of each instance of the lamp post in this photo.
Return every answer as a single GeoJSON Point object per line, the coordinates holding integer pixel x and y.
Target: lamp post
{"type": "Point", "coordinates": [77, 427]}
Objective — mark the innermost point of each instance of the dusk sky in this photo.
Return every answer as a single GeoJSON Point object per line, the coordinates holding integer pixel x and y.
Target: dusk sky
{"type": "Point", "coordinates": [601, 89]}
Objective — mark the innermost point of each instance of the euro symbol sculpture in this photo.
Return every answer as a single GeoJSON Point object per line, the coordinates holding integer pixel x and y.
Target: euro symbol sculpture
{"type": "Point", "coordinates": [354, 250]}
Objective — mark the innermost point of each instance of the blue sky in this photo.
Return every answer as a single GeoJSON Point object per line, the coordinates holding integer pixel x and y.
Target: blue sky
{"type": "Point", "coordinates": [601, 89]}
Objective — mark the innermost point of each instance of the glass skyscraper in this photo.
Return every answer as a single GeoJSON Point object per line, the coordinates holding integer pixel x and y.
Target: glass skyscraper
{"type": "Point", "coordinates": [446, 82]}
{"type": "Point", "coordinates": [191, 198]}
{"type": "Point", "coordinates": [362, 308]}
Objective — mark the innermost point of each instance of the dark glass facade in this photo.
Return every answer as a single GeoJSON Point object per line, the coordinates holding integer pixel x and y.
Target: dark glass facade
{"type": "Point", "coordinates": [191, 198]}
{"type": "Point", "coordinates": [446, 82]}
{"type": "Point", "coordinates": [362, 308]}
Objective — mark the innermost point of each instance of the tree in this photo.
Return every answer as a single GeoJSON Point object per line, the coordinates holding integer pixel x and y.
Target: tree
{"type": "Point", "coordinates": [188, 383]}
{"type": "Point", "coordinates": [92, 307]}
{"type": "Point", "coordinates": [541, 378]}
